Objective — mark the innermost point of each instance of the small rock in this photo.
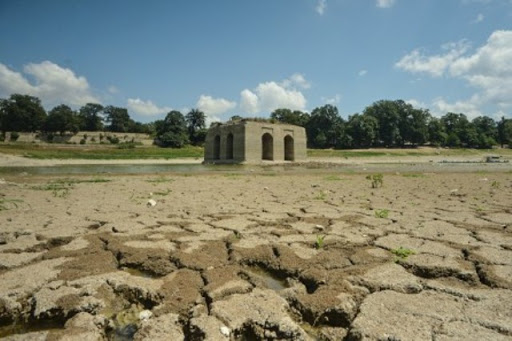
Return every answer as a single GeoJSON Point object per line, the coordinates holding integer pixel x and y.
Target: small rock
{"type": "Point", "coordinates": [320, 227]}
{"type": "Point", "coordinates": [225, 331]}
{"type": "Point", "coordinates": [265, 188]}
{"type": "Point", "coordinates": [145, 315]}
{"type": "Point", "coordinates": [151, 203]}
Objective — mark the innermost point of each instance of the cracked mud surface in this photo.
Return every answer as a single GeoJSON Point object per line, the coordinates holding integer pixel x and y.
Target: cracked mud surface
{"type": "Point", "coordinates": [255, 256]}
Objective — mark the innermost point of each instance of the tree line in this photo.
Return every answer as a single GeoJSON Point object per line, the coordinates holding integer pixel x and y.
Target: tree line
{"type": "Point", "coordinates": [396, 123]}
{"type": "Point", "coordinates": [24, 113]}
{"type": "Point", "coordinates": [385, 123]}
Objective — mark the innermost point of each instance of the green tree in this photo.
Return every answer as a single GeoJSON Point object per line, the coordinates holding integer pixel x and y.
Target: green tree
{"type": "Point", "coordinates": [22, 113]}
{"type": "Point", "coordinates": [288, 116]}
{"type": "Point", "coordinates": [412, 124]}
{"type": "Point", "coordinates": [458, 124]}
{"type": "Point", "coordinates": [387, 114]}
{"type": "Point", "coordinates": [118, 119]}
{"type": "Point", "coordinates": [61, 119]}
{"type": "Point", "coordinates": [172, 131]}
{"type": "Point", "coordinates": [90, 117]}
{"type": "Point", "coordinates": [505, 132]}
{"type": "Point", "coordinates": [436, 134]}
{"type": "Point", "coordinates": [196, 125]}
{"type": "Point", "coordinates": [363, 130]}
{"type": "Point", "coordinates": [325, 127]}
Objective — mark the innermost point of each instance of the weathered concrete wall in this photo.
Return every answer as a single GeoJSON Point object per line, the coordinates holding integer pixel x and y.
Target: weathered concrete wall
{"type": "Point", "coordinates": [250, 146]}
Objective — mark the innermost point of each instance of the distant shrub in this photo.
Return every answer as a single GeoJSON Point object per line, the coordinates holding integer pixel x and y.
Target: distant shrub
{"type": "Point", "coordinates": [15, 136]}
{"type": "Point", "coordinates": [82, 141]}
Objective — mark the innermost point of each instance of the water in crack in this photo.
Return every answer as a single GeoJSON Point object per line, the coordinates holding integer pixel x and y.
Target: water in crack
{"type": "Point", "coordinates": [268, 279]}
{"type": "Point", "coordinates": [24, 327]}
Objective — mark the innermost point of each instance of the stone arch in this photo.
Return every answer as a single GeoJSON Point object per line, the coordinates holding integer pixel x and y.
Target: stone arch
{"type": "Point", "coordinates": [216, 147]}
{"type": "Point", "coordinates": [229, 146]}
{"type": "Point", "coordinates": [267, 144]}
{"type": "Point", "coordinates": [289, 148]}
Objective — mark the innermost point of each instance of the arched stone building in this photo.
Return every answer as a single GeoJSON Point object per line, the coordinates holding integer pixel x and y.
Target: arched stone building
{"type": "Point", "coordinates": [252, 142]}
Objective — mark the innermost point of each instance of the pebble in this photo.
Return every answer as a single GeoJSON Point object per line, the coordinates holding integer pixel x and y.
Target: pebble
{"type": "Point", "coordinates": [145, 315]}
{"type": "Point", "coordinates": [151, 203]}
{"type": "Point", "coordinates": [225, 331]}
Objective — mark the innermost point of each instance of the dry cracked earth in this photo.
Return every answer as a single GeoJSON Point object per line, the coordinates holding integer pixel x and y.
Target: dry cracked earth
{"type": "Point", "coordinates": [272, 256]}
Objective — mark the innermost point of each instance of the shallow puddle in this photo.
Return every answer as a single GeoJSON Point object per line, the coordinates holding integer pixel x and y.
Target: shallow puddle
{"type": "Point", "coordinates": [269, 280]}
{"type": "Point", "coordinates": [29, 327]}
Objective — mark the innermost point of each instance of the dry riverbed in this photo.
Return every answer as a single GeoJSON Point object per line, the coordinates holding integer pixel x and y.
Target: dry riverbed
{"type": "Point", "coordinates": [299, 256]}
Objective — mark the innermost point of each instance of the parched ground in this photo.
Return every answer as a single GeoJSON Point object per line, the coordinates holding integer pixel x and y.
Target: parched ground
{"type": "Point", "coordinates": [277, 256]}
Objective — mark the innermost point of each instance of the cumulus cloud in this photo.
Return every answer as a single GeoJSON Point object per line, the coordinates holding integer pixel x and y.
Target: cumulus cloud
{"type": "Point", "coordinates": [470, 107]}
{"type": "Point", "coordinates": [436, 65]}
{"type": "Point", "coordinates": [214, 106]}
{"type": "Point", "coordinates": [332, 100]}
{"type": "Point", "coordinates": [145, 108]}
{"type": "Point", "coordinates": [362, 73]}
{"type": "Point", "coordinates": [320, 6]}
{"type": "Point", "coordinates": [52, 84]}
{"type": "Point", "coordinates": [487, 69]}
{"type": "Point", "coordinates": [415, 103]}
{"type": "Point", "coordinates": [385, 3]}
{"type": "Point", "coordinates": [269, 96]}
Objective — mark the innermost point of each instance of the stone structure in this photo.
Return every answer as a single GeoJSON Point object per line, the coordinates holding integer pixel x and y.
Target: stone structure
{"type": "Point", "coordinates": [252, 142]}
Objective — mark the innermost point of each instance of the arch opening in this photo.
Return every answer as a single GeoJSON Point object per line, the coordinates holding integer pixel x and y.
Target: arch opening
{"type": "Point", "coordinates": [216, 147]}
{"type": "Point", "coordinates": [289, 148]}
{"type": "Point", "coordinates": [267, 143]}
{"type": "Point", "coordinates": [229, 147]}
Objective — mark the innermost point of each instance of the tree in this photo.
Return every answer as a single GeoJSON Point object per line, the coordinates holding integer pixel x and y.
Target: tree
{"type": "Point", "coordinates": [90, 117]}
{"type": "Point", "coordinates": [387, 114]}
{"type": "Point", "coordinates": [362, 130]}
{"type": "Point", "coordinates": [505, 132]}
{"type": "Point", "coordinates": [61, 119]}
{"type": "Point", "coordinates": [118, 119]}
{"type": "Point", "coordinates": [22, 113]}
{"type": "Point", "coordinates": [458, 124]}
{"type": "Point", "coordinates": [288, 116]}
{"type": "Point", "coordinates": [412, 124]}
{"type": "Point", "coordinates": [172, 131]}
{"type": "Point", "coordinates": [196, 125]}
{"type": "Point", "coordinates": [325, 127]}
{"type": "Point", "coordinates": [436, 134]}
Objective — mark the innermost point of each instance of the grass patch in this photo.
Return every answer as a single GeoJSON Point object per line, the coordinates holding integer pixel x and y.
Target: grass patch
{"type": "Point", "coordinates": [383, 214]}
{"type": "Point", "coordinates": [424, 151]}
{"type": "Point", "coordinates": [414, 175]}
{"type": "Point", "coordinates": [60, 188]}
{"type": "Point", "coordinates": [377, 180]}
{"type": "Point", "coordinates": [162, 193]}
{"type": "Point", "coordinates": [160, 180]}
{"type": "Point", "coordinates": [321, 196]}
{"type": "Point", "coordinates": [333, 178]}
{"type": "Point", "coordinates": [101, 152]}
{"type": "Point", "coordinates": [7, 204]}
{"type": "Point", "coordinates": [402, 253]}
{"type": "Point", "coordinates": [319, 242]}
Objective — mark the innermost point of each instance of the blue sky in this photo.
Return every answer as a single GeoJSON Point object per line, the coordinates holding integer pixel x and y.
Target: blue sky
{"type": "Point", "coordinates": [247, 58]}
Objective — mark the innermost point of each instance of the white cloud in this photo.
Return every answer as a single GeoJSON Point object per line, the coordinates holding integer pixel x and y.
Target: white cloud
{"type": "Point", "coordinates": [436, 65]}
{"type": "Point", "coordinates": [269, 96]}
{"type": "Point", "coordinates": [469, 108]}
{"type": "Point", "coordinates": [332, 100]}
{"type": "Point", "coordinates": [146, 108]}
{"type": "Point", "coordinates": [385, 3]}
{"type": "Point", "coordinates": [479, 18]}
{"type": "Point", "coordinates": [362, 73]}
{"type": "Point", "coordinates": [52, 84]}
{"type": "Point", "coordinates": [320, 6]}
{"type": "Point", "coordinates": [487, 69]}
{"type": "Point", "coordinates": [415, 103]}
{"type": "Point", "coordinates": [298, 80]}
{"type": "Point", "coordinates": [213, 106]}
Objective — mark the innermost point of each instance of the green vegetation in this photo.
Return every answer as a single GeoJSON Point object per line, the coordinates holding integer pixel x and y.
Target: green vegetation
{"type": "Point", "coordinates": [7, 204]}
{"type": "Point", "coordinates": [321, 196]}
{"type": "Point", "coordinates": [382, 213]}
{"type": "Point", "coordinates": [413, 175]}
{"type": "Point", "coordinates": [495, 184]}
{"type": "Point", "coordinates": [160, 180]}
{"type": "Point", "coordinates": [99, 152]}
{"type": "Point", "coordinates": [319, 242]}
{"type": "Point", "coordinates": [60, 188]}
{"type": "Point", "coordinates": [377, 180]}
{"type": "Point", "coordinates": [162, 193]}
{"type": "Point", "coordinates": [402, 253]}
